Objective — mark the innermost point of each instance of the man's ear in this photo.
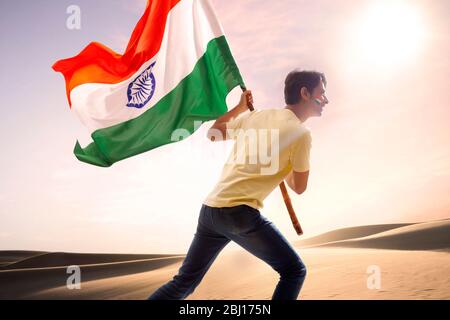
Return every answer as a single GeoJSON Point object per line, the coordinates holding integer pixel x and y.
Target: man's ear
{"type": "Point", "coordinates": [304, 93]}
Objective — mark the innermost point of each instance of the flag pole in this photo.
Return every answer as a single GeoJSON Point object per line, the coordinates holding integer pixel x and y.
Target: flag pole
{"type": "Point", "coordinates": [284, 192]}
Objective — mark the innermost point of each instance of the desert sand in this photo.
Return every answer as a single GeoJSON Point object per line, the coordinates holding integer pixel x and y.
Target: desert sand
{"type": "Point", "coordinates": [413, 260]}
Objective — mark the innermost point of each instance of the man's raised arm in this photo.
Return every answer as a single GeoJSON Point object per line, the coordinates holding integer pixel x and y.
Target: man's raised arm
{"type": "Point", "coordinates": [218, 130]}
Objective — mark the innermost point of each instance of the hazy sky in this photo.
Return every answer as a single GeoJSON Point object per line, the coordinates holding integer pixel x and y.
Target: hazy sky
{"type": "Point", "coordinates": [381, 150]}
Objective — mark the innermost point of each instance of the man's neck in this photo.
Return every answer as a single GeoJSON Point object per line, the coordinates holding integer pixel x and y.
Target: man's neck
{"type": "Point", "coordinates": [299, 111]}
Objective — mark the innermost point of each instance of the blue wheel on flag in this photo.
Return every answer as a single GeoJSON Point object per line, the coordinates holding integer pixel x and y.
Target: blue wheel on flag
{"type": "Point", "coordinates": [141, 90]}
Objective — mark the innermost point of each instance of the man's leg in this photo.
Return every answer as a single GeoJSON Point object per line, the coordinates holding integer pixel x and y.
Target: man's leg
{"type": "Point", "coordinates": [252, 231]}
{"type": "Point", "coordinates": [203, 250]}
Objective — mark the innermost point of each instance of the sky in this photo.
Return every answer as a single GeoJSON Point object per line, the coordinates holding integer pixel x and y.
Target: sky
{"type": "Point", "coordinates": [380, 151]}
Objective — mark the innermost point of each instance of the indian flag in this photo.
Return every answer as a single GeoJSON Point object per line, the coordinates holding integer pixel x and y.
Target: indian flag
{"type": "Point", "coordinates": [176, 70]}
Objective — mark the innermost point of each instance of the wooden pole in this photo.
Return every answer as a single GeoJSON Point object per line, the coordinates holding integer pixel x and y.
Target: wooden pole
{"type": "Point", "coordinates": [284, 192]}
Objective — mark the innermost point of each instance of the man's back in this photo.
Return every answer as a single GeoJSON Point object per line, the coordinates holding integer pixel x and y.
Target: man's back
{"type": "Point", "coordinates": [268, 145]}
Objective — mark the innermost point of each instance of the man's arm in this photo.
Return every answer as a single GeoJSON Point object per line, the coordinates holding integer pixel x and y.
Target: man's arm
{"type": "Point", "coordinates": [218, 131]}
{"type": "Point", "coordinates": [298, 181]}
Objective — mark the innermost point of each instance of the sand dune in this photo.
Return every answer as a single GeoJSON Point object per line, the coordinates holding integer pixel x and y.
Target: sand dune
{"type": "Point", "coordinates": [420, 236]}
{"type": "Point", "coordinates": [19, 283]}
{"type": "Point", "coordinates": [8, 257]}
{"type": "Point", "coordinates": [348, 233]}
{"type": "Point", "coordinates": [407, 254]}
{"type": "Point", "coordinates": [60, 259]}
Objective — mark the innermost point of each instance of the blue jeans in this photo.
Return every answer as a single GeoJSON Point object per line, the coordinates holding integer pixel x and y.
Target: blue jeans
{"type": "Point", "coordinates": [252, 231]}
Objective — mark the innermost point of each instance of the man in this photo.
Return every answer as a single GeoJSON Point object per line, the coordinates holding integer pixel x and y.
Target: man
{"type": "Point", "coordinates": [231, 210]}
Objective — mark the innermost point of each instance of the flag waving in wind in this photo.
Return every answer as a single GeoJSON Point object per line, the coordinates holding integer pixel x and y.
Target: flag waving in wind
{"type": "Point", "coordinates": [176, 69]}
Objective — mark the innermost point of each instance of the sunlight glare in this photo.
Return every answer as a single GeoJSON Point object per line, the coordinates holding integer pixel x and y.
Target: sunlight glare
{"type": "Point", "coordinates": [390, 34]}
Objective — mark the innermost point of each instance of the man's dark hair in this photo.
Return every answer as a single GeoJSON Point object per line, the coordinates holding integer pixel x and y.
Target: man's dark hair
{"type": "Point", "coordinates": [296, 80]}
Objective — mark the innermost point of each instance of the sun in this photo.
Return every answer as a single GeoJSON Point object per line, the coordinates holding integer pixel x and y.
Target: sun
{"type": "Point", "coordinates": [389, 33]}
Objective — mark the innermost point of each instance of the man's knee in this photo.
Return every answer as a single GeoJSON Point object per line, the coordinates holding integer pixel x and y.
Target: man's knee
{"type": "Point", "coordinates": [295, 270]}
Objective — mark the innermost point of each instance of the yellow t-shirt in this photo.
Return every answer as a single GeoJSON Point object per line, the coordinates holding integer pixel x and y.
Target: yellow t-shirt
{"type": "Point", "coordinates": [268, 145]}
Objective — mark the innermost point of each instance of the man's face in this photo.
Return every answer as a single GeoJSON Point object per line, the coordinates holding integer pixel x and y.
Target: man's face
{"type": "Point", "coordinates": [319, 94]}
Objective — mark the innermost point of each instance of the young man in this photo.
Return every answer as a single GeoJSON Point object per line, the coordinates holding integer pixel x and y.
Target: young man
{"type": "Point", "coordinates": [231, 210]}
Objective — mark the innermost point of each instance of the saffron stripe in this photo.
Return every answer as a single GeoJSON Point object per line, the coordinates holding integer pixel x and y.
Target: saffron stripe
{"type": "Point", "coordinates": [99, 64]}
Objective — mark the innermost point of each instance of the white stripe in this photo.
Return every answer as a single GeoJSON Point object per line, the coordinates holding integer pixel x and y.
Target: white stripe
{"type": "Point", "coordinates": [190, 26]}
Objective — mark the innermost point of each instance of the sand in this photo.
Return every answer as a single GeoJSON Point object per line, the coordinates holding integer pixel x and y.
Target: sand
{"type": "Point", "coordinates": [413, 261]}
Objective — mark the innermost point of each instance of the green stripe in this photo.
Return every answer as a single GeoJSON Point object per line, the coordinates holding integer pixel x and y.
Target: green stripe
{"type": "Point", "coordinates": [198, 97]}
